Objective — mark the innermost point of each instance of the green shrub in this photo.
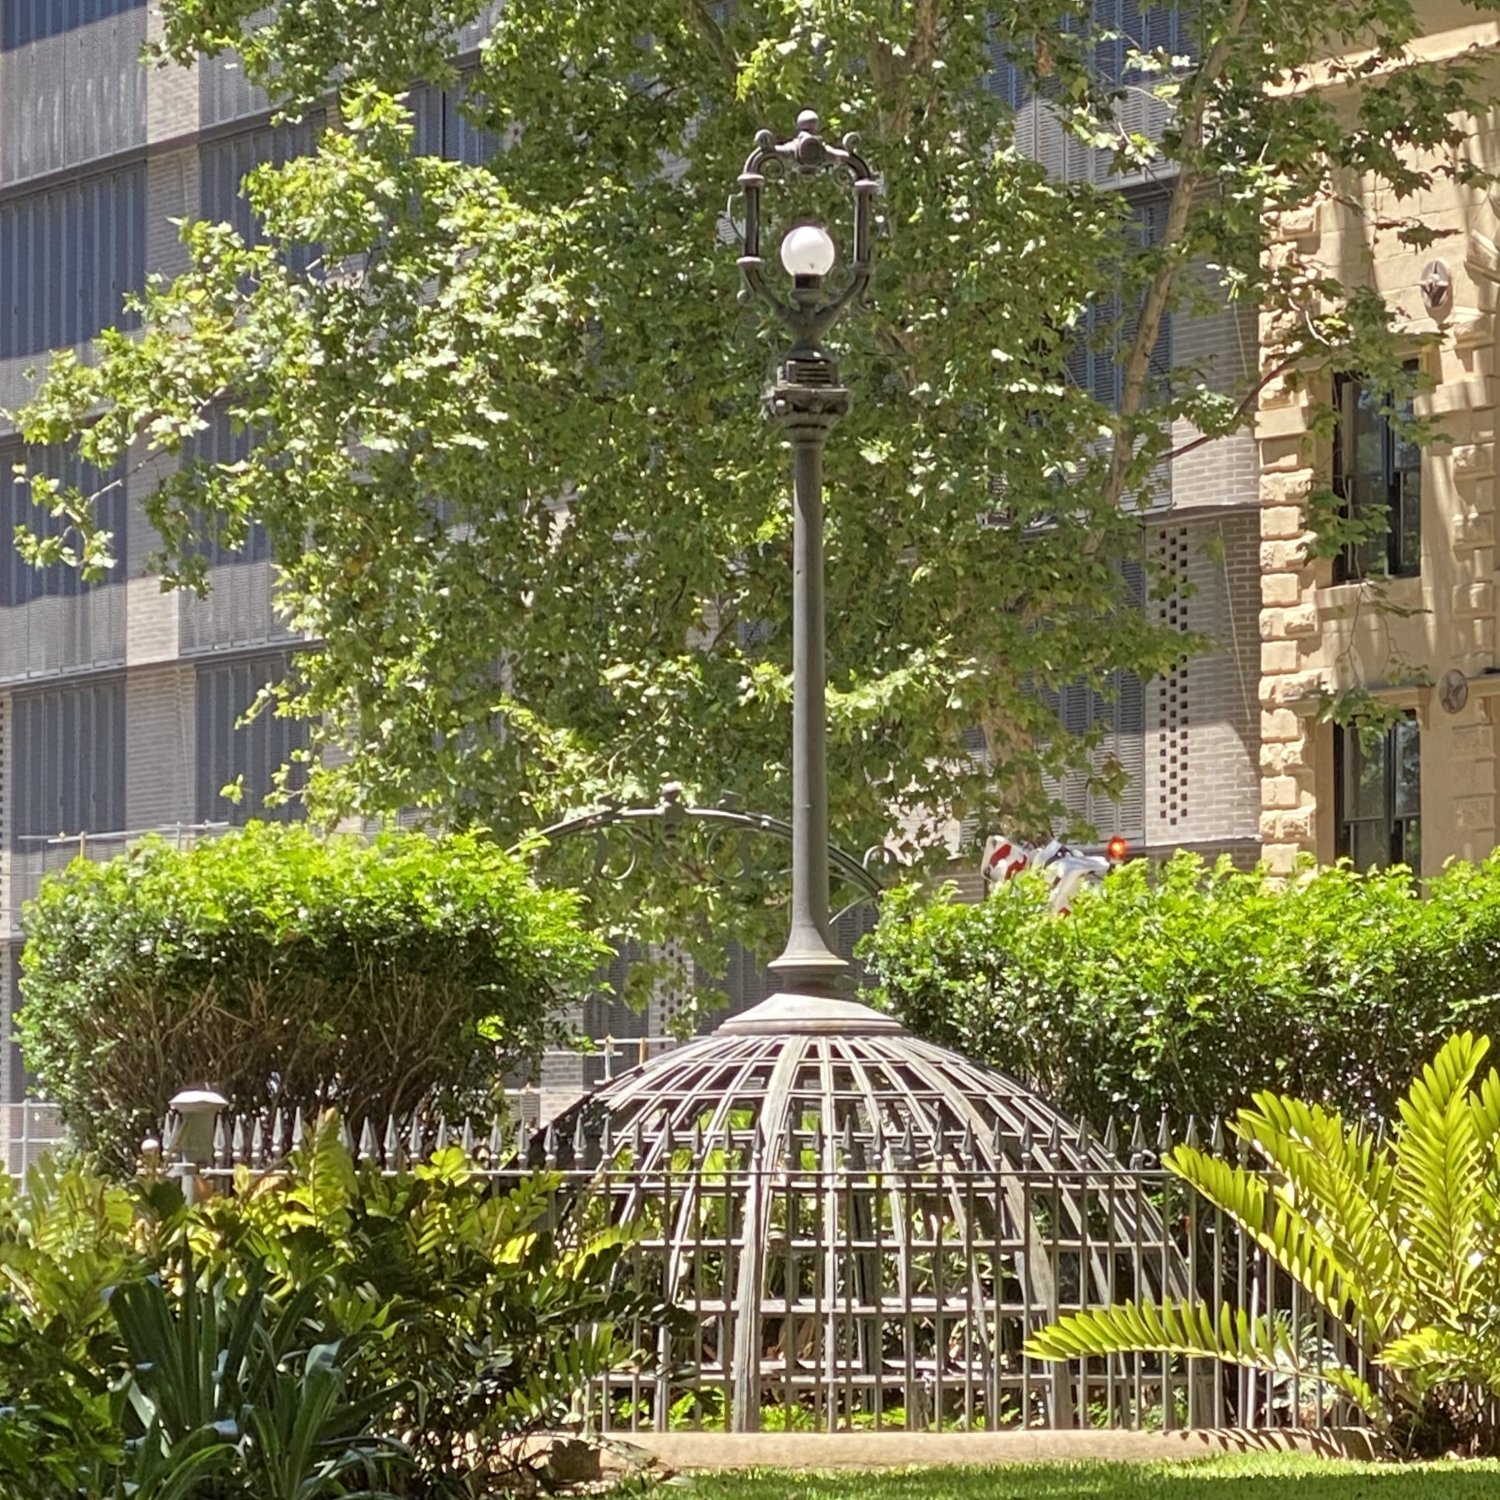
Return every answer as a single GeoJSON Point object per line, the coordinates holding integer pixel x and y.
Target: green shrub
{"type": "Point", "coordinates": [286, 969]}
{"type": "Point", "coordinates": [490, 1310]}
{"type": "Point", "coordinates": [1394, 1237]}
{"type": "Point", "coordinates": [326, 1330]}
{"type": "Point", "coordinates": [1186, 988]}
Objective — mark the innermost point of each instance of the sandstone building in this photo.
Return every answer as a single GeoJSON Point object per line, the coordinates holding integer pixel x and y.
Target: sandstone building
{"type": "Point", "coordinates": [1410, 622]}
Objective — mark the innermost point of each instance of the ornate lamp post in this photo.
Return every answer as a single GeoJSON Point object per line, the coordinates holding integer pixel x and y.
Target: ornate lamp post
{"type": "Point", "coordinates": [805, 402]}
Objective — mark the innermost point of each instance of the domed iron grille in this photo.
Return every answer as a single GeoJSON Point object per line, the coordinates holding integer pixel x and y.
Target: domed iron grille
{"type": "Point", "coordinates": [862, 1227]}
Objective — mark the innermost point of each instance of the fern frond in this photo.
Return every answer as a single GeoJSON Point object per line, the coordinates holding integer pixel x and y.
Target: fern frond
{"type": "Point", "coordinates": [324, 1170]}
{"type": "Point", "coordinates": [1449, 1354]}
{"type": "Point", "coordinates": [1342, 1182]}
{"type": "Point", "coordinates": [1189, 1330]}
{"type": "Point", "coordinates": [1280, 1229]}
{"type": "Point", "coordinates": [1437, 1153]}
{"type": "Point", "coordinates": [1486, 1107]}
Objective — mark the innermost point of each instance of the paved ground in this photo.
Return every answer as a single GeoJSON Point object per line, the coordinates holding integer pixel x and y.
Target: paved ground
{"type": "Point", "coordinates": [881, 1450]}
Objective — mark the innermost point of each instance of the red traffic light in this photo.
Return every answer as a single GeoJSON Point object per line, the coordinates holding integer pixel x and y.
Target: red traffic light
{"type": "Point", "coordinates": [1116, 850]}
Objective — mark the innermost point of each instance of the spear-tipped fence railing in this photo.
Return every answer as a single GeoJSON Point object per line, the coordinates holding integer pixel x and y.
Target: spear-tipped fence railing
{"type": "Point", "coordinates": [891, 1297]}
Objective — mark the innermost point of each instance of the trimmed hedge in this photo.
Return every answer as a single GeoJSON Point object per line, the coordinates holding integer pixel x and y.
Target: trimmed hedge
{"type": "Point", "coordinates": [1185, 988]}
{"type": "Point", "coordinates": [288, 969]}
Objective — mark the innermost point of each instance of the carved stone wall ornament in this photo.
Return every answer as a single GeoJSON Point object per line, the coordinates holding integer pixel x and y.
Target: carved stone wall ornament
{"type": "Point", "coordinates": [1453, 691]}
{"type": "Point", "coordinates": [1437, 286]}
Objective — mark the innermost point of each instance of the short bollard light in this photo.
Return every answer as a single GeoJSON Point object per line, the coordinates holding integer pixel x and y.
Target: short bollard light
{"type": "Point", "coordinates": [192, 1143]}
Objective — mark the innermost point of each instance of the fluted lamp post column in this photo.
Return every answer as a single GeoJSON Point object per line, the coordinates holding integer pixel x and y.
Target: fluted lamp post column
{"type": "Point", "coordinates": [805, 402]}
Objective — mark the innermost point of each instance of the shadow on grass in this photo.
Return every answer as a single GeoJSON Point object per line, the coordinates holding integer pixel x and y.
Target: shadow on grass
{"type": "Point", "coordinates": [1240, 1478]}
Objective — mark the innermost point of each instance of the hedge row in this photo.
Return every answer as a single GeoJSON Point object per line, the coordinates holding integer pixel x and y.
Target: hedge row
{"type": "Point", "coordinates": [295, 971]}
{"type": "Point", "coordinates": [1185, 988]}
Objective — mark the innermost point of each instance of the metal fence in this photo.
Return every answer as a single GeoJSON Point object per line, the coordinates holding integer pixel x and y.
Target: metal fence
{"type": "Point", "coordinates": [888, 1298]}
{"type": "Point", "coordinates": [913, 1312]}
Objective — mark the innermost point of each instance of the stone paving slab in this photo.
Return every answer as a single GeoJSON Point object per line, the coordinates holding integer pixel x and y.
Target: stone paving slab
{"type": "Point", "coordinates": [884, 1450]}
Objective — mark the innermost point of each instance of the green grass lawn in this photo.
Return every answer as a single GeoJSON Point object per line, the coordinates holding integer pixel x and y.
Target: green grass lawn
{"type": "Point", "coordinates": [1242, 1477]}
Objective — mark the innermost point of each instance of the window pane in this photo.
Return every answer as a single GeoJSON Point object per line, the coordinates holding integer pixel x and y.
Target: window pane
{"type": "Point", "coordinates": [1406, 455]}
{"type": "Point", "coordinates": [1408, 522]}
{"type": "Point", "coordinates": [1407, 742]}
{"type": "Point", "coordinates": [1409, 845]}
{"type": "Point", "coordinates": [1369, 435]}
{"type": "Point", "coordinates": [1364, 776]}
{"type": "Point", "coordinates": [1369, 845]}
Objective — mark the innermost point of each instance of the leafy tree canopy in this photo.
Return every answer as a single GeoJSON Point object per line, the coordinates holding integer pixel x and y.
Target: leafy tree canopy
{"type": "Point", "coordinates": [508, 449]}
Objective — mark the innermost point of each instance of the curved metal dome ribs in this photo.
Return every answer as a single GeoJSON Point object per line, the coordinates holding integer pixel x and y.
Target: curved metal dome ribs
{"type": "Point", "coordinates": [863, 1222]}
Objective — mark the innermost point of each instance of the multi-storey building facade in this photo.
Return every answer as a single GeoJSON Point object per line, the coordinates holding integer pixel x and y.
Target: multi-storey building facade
{"type": "Point", "coordinates": [119, 704]}
{"type": "Point", "coordinates": [1190, 740]}
{"type": "Point", "coordinates": [1408, 619]}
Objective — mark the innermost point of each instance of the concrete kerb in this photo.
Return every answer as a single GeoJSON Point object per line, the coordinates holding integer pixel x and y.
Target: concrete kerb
{"type": "Point", "coordinates": [688, 1451]}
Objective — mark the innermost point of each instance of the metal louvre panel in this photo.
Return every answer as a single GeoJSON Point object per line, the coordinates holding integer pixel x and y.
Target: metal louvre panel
{"type": "Point", "coordinates": [1096, 367]}
{"type": "Point", "coordinates": [442, 129]}
{"type": "Point", "coordinates": [67, 257]}
{"type": "Point", "coordinates": [51, 636]}
{"type": "Point", "coordinates": [1121, 708]}
{"type": "Point", "coordinates": [105, 87]}
{"type": "Point", "coordinates": [224, 164]}
{"type": "Point", "coordinates": [239, 611]}
{"type": "Point", "coordinates": [10, 996]}
{"type": "Point", "coordinates": [69, 761]}
{"type": "Point", "coordinates": [53, 620]}
{"type": "Point", "coordinates": [19, 581]}
{"type": "Point", "coordinates": [747, 981]}
{"type": "Point", "coordinates": [608, 1014]}
{"type": "Point", "coordinates": [1038, 132]}
{"type": "Point", "coordinates": [224, 93]}
{"type": "Point", "coordinates": [73, 86]}
{"type": "Point", "coordinates": [470, 36]}
{"type": "Point", "coordinates": [26, 21]}
{"type": "Point", "coordinates": [605, 1015]}
{"type": "Point", "coordinates": [227, 749]}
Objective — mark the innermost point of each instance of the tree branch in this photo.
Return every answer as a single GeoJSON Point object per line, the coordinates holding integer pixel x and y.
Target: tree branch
{"type": "Point", "coordinates": [1138, 366]}
{"type": "Point", "coordinates": [709, 29]}
{"type": "Point", "coordinates": [1240, 411]}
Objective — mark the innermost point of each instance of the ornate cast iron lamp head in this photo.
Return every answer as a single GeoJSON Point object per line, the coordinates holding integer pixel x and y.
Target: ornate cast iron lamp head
{"type": "Point", "coordinates": [808, 251]}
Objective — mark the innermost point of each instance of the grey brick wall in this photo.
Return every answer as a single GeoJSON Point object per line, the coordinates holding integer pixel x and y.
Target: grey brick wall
{"type": "Point", "coordinates": [1221, 350]}
{"type": "Point", "coordinates": [171, 93]}
{"type": "Point", "coordinates": [159, 729]}
{"type": "Point", "coordinates": [1202, 783]}
{"type": "Point", "coordinates": [171, 193]}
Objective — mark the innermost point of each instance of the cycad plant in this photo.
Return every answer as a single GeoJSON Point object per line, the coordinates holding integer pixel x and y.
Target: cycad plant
{"type": "Point", "coordinates": [1396, 1235]}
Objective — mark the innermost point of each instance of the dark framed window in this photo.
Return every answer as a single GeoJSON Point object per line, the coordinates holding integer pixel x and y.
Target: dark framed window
{"type": "Point", "coordinates": [1377, 474]}
{"type": "Point", "coordinates": [1378, 795]}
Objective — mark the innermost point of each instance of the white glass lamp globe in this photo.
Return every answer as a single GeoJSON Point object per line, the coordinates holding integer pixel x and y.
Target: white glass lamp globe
{"type": "Point", "coordinates": [808, 250]}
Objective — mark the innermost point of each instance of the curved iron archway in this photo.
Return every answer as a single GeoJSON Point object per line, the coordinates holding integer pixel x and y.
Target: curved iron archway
{"type": "Point", "coordinates": [672, 811]}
